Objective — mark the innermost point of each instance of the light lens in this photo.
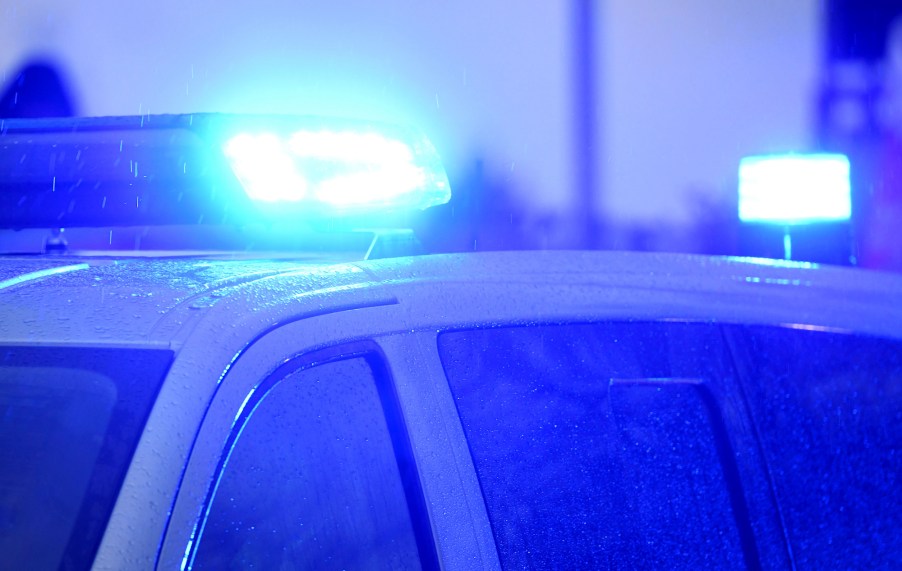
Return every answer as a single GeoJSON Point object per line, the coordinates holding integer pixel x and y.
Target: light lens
{"type": "Point", "coordinates": [266, 171]}
{"type": "Point", "coordinates": [339, 170]}
{"type": "Point", "coordinates": [794, 189]}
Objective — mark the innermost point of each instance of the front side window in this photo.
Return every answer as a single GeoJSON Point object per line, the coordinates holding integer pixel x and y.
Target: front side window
{"type": "Point", "coordinates": [317, 480]}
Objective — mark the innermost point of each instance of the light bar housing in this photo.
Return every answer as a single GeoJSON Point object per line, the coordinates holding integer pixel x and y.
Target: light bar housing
{"type": "Point", "coordinates": [212, 169]}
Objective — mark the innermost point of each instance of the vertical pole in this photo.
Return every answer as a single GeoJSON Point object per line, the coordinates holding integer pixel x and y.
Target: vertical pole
{"type": "Point", "coordinates": [787, 244]}
{"type": "Point", "coordinates": [585, 105]}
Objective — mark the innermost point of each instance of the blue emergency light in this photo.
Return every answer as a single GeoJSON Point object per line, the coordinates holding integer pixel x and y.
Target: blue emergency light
{"type": "Point", "coordinates": [794, 189]}
{"type": "Point", "coordinates": [212, 169]}
{"type": "Point", "coordinates": [339, 169]}
{"type": "Point", "coordinates": [799, 196]}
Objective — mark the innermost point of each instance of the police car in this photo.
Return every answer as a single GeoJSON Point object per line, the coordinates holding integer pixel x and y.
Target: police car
{"type": "Point", "coordinates": [329, 410]}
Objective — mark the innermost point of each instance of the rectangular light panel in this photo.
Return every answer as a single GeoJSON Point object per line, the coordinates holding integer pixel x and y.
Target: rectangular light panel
{"type": "Point", "coordinates": [795, 189]}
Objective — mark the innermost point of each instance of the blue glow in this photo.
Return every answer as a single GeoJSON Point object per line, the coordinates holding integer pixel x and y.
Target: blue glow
{"type": "Point", "coordinates": [349, 147]}
{"type": "Point", "coordinates": [773, 263]}
{"type": "Point", "coordinates": [264, 168]}
{"type": "Point", "coordinates": [187, 551]}
{"type": "Point", "coordinates": [339, 170]}
{"type": "Point", "coordinates": [795, 189]}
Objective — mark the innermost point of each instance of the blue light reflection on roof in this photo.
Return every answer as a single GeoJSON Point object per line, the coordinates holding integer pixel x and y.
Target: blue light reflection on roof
{"type": "Point", "coordinates": [795, 189]}
{"type": "Point", "coordinates": [773, 262]}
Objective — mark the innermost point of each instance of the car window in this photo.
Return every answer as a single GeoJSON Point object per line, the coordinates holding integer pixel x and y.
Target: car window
{"type": "Point", "coordinates": [69, 421]}
{"type": "Point", "coordinates": [828, 407]}
{"type": "Point", "coordinates": [314, 481]}
{"type": "Point", "coordinates": [602, 445]}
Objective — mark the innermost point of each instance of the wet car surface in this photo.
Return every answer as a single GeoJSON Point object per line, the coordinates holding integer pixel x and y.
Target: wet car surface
{"type": "Point", "coordinates": [516, 410]}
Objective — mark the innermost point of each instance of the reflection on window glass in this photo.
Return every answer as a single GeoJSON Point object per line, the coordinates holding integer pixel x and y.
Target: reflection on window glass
{"type": "Point", "coordinates": [600, 445]}
{"type": "Point", "coordinates": [312, 482]}
{"type": "Point", "coordinates": [828, 407]}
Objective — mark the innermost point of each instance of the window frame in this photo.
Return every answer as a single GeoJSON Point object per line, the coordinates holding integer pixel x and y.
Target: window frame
{"type": "Point", "coordinates": [371, 353]}
{"type": "Point", "coordinates": [453, 501]}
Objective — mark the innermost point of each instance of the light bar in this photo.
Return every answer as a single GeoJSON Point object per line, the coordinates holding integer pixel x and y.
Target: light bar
{"type": "Point", "coordinates": [794, 189]}
{"type": "Point", "coordinates": [216, 169]}
{"type": "Point", "coordinates": [348, 170]}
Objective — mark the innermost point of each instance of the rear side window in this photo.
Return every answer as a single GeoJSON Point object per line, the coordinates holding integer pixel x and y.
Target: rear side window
{"type": "Point", "coordinates": [70, 419]}
{"type": "Point", "coordinates": [320, 477]}
{"type": "Point", "coordinates": [602, 445]}
{"type": "Point", "coordinates": [828, 407]}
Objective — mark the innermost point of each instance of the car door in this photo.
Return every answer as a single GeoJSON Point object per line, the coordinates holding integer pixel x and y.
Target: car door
{"type": "Point", "coordinates": [325, 445]}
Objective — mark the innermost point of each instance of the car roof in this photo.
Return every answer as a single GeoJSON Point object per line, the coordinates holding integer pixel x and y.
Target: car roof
{"type": "Point", "coordinates": [129, 300]}
{"type": "Point", "coordinates": [154, 302]}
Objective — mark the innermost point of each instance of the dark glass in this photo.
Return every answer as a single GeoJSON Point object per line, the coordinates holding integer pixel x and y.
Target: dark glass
{"type": "Point", "coordinates": [828, 407]}
{"type": "Point", "coordinates": [312, 482]}
{"type": "Point", "coordinates": [70, 419]}
{"type": "Point", "coordinates": [602, 445]}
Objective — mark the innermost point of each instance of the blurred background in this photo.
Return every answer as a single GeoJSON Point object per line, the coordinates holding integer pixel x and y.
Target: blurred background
{"type": "Point", "coordinates": [569, 124]}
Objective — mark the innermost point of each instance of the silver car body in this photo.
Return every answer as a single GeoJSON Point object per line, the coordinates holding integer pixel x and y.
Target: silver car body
{"type": "Point", "coordinates": [231, 322]}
